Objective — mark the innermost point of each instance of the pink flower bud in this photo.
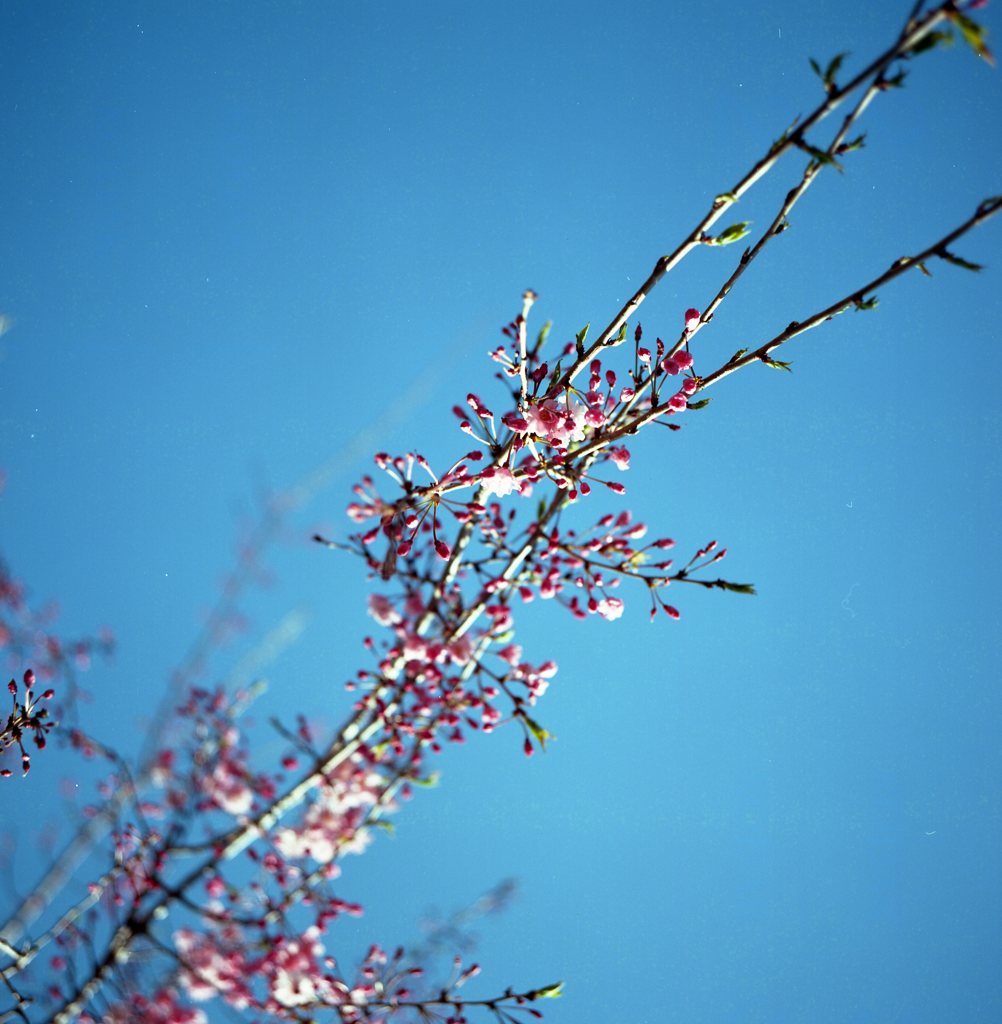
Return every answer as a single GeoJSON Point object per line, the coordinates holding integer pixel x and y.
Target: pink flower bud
{"type": "Point", "coordinates": [692, 317]}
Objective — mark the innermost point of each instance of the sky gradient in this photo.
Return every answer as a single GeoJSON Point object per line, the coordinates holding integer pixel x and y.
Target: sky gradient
{"type": "Point", "coordinates": [248, 244]}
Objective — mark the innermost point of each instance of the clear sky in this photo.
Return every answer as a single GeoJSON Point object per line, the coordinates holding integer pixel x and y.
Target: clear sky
{"type": "Point", "coordinates": [243, 241]}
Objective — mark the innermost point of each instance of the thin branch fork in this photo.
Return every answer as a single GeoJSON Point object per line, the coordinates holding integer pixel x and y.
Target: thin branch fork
{"type": "Point", "coordinates": [912, 34]}
{"type": "Point", "coordinates": [984, 212]}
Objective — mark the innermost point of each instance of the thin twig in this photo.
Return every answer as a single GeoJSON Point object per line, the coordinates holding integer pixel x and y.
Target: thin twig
{"type": "Point", "coordinates": [912, 34]}
{"type": "Point", "coordinates": [986, 210]}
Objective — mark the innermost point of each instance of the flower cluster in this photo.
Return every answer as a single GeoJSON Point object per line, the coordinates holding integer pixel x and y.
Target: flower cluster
{"type": "Point", "coordinates": [27, 636]}
{"type": "Point", "coordinates": [334, 822]}
{"type": "Point", "coordinates": [26, 717]}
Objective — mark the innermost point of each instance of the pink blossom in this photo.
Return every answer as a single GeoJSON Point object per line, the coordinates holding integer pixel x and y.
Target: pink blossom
{"type": "Point", "coordinates": [460, 651]}
{"type": "Point", "coordinates": [514, 422]}
{"type": "Point", "coordinates": [489, 716]}
{"type": "Point", "coordinates": [331, 823]}
{"type": "Point", "coordinates": [414, 648]}
{"type": "Point", "coordinates": [545, 418]}
{"type": "Point", "coordinates": [621, 458]}
{"type": "Point", "coordinates": [512, 653]}
{"type": "Point", "coordinates": [210, 971]}
{"type": "Point", "coordinates": [692, 317]}
{"type": "Point", "coordinates": [556, 422]}
{"type": "Point", "coordinates": [227, 785]}
{"type": "Point", "coordinates": [498, 480]}
{"type": "Point", "coordinates": [296, 979]}
{"type": "Point", "coordinates": [382, 610]}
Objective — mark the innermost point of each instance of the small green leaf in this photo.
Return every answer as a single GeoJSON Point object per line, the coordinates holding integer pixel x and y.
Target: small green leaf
{"type": "Point", "coordinates": [554, 991]}
{"type": "Point", "coordinates": [930, 42]}
{"type": "Point", "coordinates": [387, 826]}
{"type": "Point", "coordinates": [736, 588]}
{"type": "Point", "coordinates": [732, 234]}
{"type": "Point", "coordinates": [780, 142]}
{"type": "Point", "coordinates": [537, 731]}
{"type": "Point", "coordinates": [725, 199]}
{"type": "Point", "coordinates": [833, 67]}
{"type": "Point", "coordinates": [818, 155]}
{"type": "Point", "coordinates": [544, 333]}
{"type": "Point", "coordinates": [974, 35]}
{"type": "Point", "coordinates": [958, 261]}
{"type": "Point", "coordinates": [429, 782]}
{"type": "Point", "coordinates": [776, 364]}
{"type": "Point", "coordinates": [580, 340]}
{"type": "Point", "coordinates": [737, 355]}
{"type": "Point", "coordinates": [701, 404]}
{"type": "Point", "coordinates": [619, 339]}
{"type": "Point", "coordinates": [895, 81]}
{"type": "Point", "coordinates": [828, 75]}
{"type": "Point", "coordinates": [852, 145]}
{"type": "Point", "coordinates": [865, 304]}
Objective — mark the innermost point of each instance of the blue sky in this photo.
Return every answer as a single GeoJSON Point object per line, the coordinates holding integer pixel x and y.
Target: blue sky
{"type": "Point", "coordinates": [246, 241]}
